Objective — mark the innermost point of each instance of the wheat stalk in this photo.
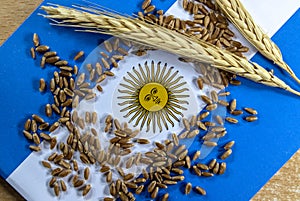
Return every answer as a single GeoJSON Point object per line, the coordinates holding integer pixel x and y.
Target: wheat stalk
{"type": "Point", "coordinates": [241, 18]}
{"type": "Point", "coordinates": [165, 39]}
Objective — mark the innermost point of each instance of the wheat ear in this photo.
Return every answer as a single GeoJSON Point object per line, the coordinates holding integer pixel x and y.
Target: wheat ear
{"type": "Point", "coordinates": [162, 38]}
{"type": "Point", "coordinates": [241, 18]}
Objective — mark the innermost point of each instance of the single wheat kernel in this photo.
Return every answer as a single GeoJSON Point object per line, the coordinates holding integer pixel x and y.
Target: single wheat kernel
{"type": "Point", "coordinates": [229, 145]}
{"type": "Point", "coordinates": [251, 111]}
{"type": "Point", "coordinates": [210, 144]}
{"type": "Point", "coordinates": [36, 40]}
{"type": "Point", "coordinates": [86, 190]}
{"type": "Point", "coordinates": [56, 189]}
{"type": "Point", "coordinates": [196, 155]}
{"type": "Point", "coordinates": [175, 139]}
{"type": "Point", "coordinates": [207, 174]}
{"type": "Point", "coordinates": [197, 171]}
{"type": "Point", "coordinates": [222, 168]}
{"type": "Point", "coordinates": [231, 120]}
{"type": "Point", "coordinates": [145, 4]}
{"type": "Point", "coordinates": [188, 188]}
{"type": "Point", "coordinates": [36, 139]}
{"type": "Point", "coordinates": [78, 55]}
{"type": "Point", "coordinates": [232, 105]}
{"type": "Point", "coordinates": [53, 142]}
{"type": "Point", "coordinates": [27, 134]}
{"type": "Point", "coordinates": [35, 148]}
{"type": "Point", "coordinates": [202, 166]}
{"type": "Point", "coordinates": [206, 99]}
{"type": "Point", "coordinates": [46, 164]}
{"type": "Point", "coordinates": [50, 54]}
{"type": "Point", "coordinates": [108, 46]}
{"type": "Point", "coordinates": [200, 190]}
{"type": "Point", "coordinates": [165, 197]}
{"type": "Point", "coordinates": [236, 112]}
{"type": "Point", "coordinates": [52, 182]}
{"type": "Point", "coordinates": [226, 154]}
{"type": "Point", "coordinates": [149, 9]}
{"type": "Point", "coordinates": [105, 63]}
{"type": "Point", "coordinates": [235, 82]}
{"type": "Point", "coordinates": [200, 83]}
{"type": "Point", "coordinates": [108, 199]}
{"type": "Point", "coordinates": [186, 124]}
{"type": "Point", "coordinates": [211, 107]}
{"type": "Point", "coordinates": [212, 164]}
{"type": "Point", "coordinates": [32, 53]}
{"type": "Point", "coordinates": [219, 119]}
{"type": "Point", "coordinates": [33, 126]}
{"type": "Point", "coordinates": [86, 173]}
{"type": "Point", "coordinates": [193, 133]}
{"type": "Point", "coordinates": [251, 118]}
{"type": "Point", "coordinates": [42, 48]}
{"type": "Point", "coordinates": [63, 186]}
{"type": "Point", "coordinates": [142, 141]}
{"type": "Point", "coordinates": [61, 63]}
{"type": "Point", "coordinates": [27, 125]}
{"type": "Point", "coordinates": [223, 103]}
{"type": "Point", "coordinates": [215, 170]}
{"type": "Point", "coordinates": [52, 60]}
{"type": "Point", "coordinates": [54, 127]}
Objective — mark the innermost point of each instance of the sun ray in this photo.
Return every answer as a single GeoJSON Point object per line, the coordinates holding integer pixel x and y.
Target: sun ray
{"type": "Point", "coordinates": [147, 71]}
{"type": "Point", "coordinates": [135, 115]}
{"type": "Point", "coordinates": [150, 118]}
{"type": "Point", "coordinates": [180, 90]}
{"type": "Point", "coordinates": [162, 73]}
{"type": "Point", "coordinates": [127, 92]}
{"type": "Point", "coordinates": [177, 86]}
{"type": "Point", "coordinates": [143, 73]}
{"type": "Point", "coordinates": [138, 82]}
{"type": "Point", "coordinates": [144, 120]}
{"type": "Point", "coordinates": [171, 114]}
{"type": "Point", "coordinates": [153, 121]}
{"type": "Point", "coordinates": [140, 116]}
{"type": "Point", "coordinates": [127, 102]}
{"type": "Point", "coordinates": [126, 97]}
{"type": "Point", "coordinates": [178, 96]}
{"type": "Point", "coordinates": [168, 117]}
{"type": "Point", "coordinates": [165, 83]}
{"type": "Point", "coordinates": [158, 122]}
{"type": "Point", "coordinates": [179, 101]}
{"type": "Point", "coordinates": [131, 82]}
{"type": "Point", "coordinates": [167, 75]}
{"type": "Point", "coordinates": [173, 111]}
{"type": "Point", "coordinates": [130, 107]}
{"type": "Point", "coordinates": [157, 71]}
{"type": "Point", "coordinates": [131, 112]}
{"type": "Point", "coordinates": [168, 85]}
{"type": "Point", "coordinates": [139, 76]}
{"type": "Point", "coordinates": [128, 87]}
{"type": "Point", "coordinates": [177, 106]}
{"type": "Point", "coordinates": [152, 72]}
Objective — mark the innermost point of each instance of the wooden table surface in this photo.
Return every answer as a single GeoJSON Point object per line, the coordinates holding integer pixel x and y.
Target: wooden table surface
{"type": "Point", "coordinates": [284, 185]}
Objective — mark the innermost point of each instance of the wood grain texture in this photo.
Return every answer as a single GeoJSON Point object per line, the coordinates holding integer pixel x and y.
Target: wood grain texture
{"type": "Point", "coordinates": [12, 14]}
{"type": "Point", "coordinates": [284, 185]}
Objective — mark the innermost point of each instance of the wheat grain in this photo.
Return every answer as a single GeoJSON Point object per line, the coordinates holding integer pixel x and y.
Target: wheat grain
{"type": "Point", "coordinates": [244, 22]}
{"type": "Point", "coordinates": [162, 38]}
{"type": "Point", "coordinates": [78, 55]}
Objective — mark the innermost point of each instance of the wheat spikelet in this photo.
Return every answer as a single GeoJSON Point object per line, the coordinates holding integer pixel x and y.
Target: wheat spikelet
{"type": "Point", "coordinates": [165, 39]}
{"type": "Point", "coordinates": [241, 18]}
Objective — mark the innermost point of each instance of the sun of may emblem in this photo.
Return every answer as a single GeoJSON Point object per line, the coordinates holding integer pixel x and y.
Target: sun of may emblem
{"type": "Point", "coordinates": [153, 95]}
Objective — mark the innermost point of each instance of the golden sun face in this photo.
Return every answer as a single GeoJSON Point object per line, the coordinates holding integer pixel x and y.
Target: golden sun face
{"type": "Point", "coordinates": [153, 95]}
